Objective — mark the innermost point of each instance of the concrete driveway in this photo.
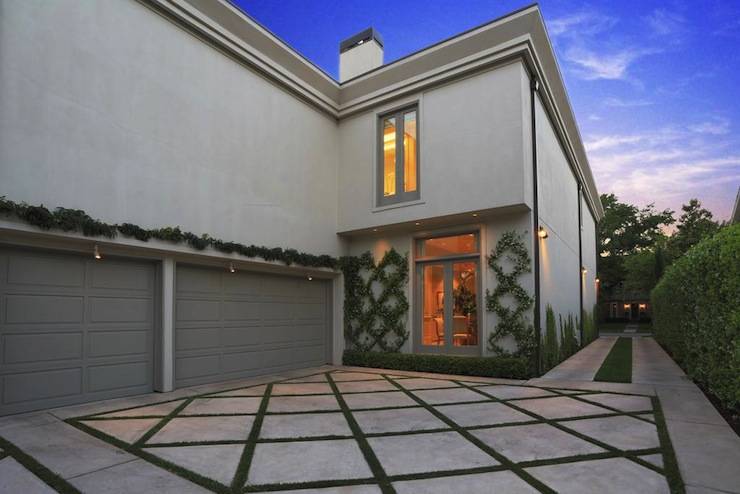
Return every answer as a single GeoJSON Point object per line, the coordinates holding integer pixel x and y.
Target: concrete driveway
{"type": "Point", "coordinates": [333, 430]}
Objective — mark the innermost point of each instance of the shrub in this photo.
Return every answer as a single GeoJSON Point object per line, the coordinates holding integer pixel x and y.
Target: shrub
{"type": "Point", "coordinates": [505, 367]}
{"type": "Point", "coordinates": [550, 347]}
{"type": "Point", "coordinates": [696, 314]}
{"type": "Point", "coordinates": [589, 326]}
{"type": "Point", "coordinates": [568, 341]}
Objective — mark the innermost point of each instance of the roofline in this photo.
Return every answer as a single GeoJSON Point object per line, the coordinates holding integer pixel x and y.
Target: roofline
{"type": "Point", "coordinates": [519, 34]}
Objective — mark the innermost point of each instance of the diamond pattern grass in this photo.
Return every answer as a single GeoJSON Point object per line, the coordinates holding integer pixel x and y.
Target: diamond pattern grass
{"type": "Point", "coordinates": [621, 432]}
{"type": "Point", "coordinates": [611, 475]}
{"type": "Point", "coordinates": [428, 452]}
{"type": "Point", "coordinates": [535, 442]}
{"type": "Point", "coordinates": [307, 461]}
{"type": "Point", "coordinates": [560, 407]}
{"type": "Point", "coordinates": [302, 441]}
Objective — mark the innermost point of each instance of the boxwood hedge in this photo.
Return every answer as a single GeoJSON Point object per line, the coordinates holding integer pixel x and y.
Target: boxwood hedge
{"type": "Point", "coordinates": [505, 367]}
{"type": "Point", "coordinates": [696, 314]}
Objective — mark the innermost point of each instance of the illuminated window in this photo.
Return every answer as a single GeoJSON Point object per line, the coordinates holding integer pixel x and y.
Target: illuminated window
{"type": "Point", "coordinates": [398, 170]}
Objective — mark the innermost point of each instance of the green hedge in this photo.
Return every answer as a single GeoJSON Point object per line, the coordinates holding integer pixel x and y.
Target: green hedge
{"type": "Point", "coordinates": [696, 314]}
{"type": "Point", "coordinates": [505, 367]}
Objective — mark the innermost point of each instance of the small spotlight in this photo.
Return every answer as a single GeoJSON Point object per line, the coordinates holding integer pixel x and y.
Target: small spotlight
{"type": "Point", "coordinates": [375, 229]}
{"type": "Point", "coordinates": [584, 270]}
{"type": "Point", "coordinates": [232, 269]}
{"type": "Point", "coordinates": [96, 252]}
{"type": "Point", "coordinates": [417, 223]}
{"type": "Point", "coordinates": [475, 215]}
{"type": "Point", "coordinates": [542, 233]}
{"type": "Point", "coordinates": [597, 280]}
{"type": "Point", "coordinates": [310, 278]}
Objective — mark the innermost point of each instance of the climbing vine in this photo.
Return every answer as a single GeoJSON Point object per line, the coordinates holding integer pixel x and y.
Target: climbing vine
{"type": "Point", "coordinates": [76, 220]}
{"type": "Point", "coordinates": [375, 303]}
{"type": "Point", "coordinates": [511, 318]}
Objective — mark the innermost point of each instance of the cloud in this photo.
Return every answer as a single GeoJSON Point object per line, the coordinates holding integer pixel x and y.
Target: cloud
{"type": "Point", "coordinates": [621, 103]}
{"type": "Point", "coordinates": [607, 142]}
{"type": "Point", "coordinates": [718, 126]}
{"type": "Point", "coordinates": [580, 24]}
{"type": "Point", "coordinates": [665, 23]}
{"type": "Point", "coordinates": [591, 65]}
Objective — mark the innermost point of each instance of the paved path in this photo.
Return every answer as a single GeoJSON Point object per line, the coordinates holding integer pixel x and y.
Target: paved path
{"type": "Point", "coordinates": [583, 365]}
{"type": "Point", "coordinates": [707, 449]}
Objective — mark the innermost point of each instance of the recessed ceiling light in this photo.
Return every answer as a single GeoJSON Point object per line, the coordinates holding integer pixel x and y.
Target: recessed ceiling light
{"type": "Point", "coordinates": [417, 223]}
{"type": "Point", "coordinates": [475, 215]}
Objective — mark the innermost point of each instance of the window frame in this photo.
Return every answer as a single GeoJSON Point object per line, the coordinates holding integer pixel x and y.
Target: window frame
{"type": "Point", "coordinates": [401, 195]}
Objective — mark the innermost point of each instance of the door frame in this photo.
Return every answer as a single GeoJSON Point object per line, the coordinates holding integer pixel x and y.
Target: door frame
{"type": "Point", "coordinates": [447, 262]}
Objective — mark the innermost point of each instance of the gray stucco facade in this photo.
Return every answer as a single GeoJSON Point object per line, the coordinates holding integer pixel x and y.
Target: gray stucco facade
{"type": "Point", "coordinates": [189, 113]}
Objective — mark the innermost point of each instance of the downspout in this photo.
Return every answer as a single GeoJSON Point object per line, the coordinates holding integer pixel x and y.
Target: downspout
{"type": "Point", "coordinates": [580, 262]}
{"type": "Point", "coordinates": [533, 86]}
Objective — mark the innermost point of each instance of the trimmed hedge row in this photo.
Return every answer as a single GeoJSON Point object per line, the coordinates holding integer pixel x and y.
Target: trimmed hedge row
{"type": "Point", "coordinates": [504, 367]}
{"type": "Point", "coordinates": [696, 314]}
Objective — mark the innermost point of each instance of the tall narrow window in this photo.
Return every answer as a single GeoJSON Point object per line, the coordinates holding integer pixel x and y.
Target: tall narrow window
{"type": "Point", "coordinates": [398, 167]}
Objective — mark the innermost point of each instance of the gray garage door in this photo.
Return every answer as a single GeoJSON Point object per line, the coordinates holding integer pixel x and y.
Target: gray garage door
{"type": "Point", "coordinates": [231, 325]}
{"type": "Point", "coordinates": [73, 329]}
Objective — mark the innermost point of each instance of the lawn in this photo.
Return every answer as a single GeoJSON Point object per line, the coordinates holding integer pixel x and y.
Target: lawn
{"type": "Point", "coordinates": [617, 366]}
{"type": "Point", "coordinates": [618, 327]}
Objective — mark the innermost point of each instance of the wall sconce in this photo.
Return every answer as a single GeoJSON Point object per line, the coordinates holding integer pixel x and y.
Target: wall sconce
{"type": "Point", "coordinates": [310, 278]}
{"type": "Point", "coordinates": [643, 306]}
{"type": "Point", "coordinates": [542, 233]}
{"type": "Point", "coordinates": [597, 280]}
{"type": "Point", "coordinates": [232, 269]}
{"type": "Point", "coordinates": [626, 306]}
{"type": "Point", "coordinates": [96, 252]}
{"type": "Point", "coordinates": [584, 270]}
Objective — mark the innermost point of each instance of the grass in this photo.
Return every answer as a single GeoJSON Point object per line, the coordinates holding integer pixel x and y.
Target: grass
{"type": "Point", "coordinates": [50, 478]}
{"type": "Point", "coordinates": [617, 366]}
{"type": "Point", "coordinates": [618, 327]}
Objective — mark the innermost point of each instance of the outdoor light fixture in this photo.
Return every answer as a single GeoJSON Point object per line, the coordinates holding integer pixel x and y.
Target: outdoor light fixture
{"type": "Point", "coordinates": [310, 278]}
{"type": "Point", "coordinates": [417, 223]}
{"type": "Point", "coordinates": [232, 269]}
{"type": "Point", "coordinates": [642, 306]}
{"type": "Point", "coordinates": [584, 270]}
{"type": "Point", "coordinates": [96, 252]}
{"type": "Point", "coordinates": [597, 280]}
{"type": "Point", "coordinates": [542, 233]}
{"type": "Point", "coordinates": [475, 215]}
{"type": "Point", "coordinates": [626, 306]}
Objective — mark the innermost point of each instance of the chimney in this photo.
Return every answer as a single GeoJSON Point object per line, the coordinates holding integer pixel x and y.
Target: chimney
{"type": "Point", "coordinates": [359, 54]}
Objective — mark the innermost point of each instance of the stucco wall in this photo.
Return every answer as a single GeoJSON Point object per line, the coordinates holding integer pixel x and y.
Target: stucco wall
{"type": "Point", "coordinates": [472, 149]}
{"type": "Point", "coordinates": [558, 213]}
{"type": "Point", "coordinates": [589, 258]}
{"type": "Point", "coordinates": [110, 108]}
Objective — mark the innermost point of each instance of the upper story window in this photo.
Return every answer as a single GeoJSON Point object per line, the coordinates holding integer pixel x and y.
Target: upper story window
{"type": "Point", "coordinates": [398, 167]}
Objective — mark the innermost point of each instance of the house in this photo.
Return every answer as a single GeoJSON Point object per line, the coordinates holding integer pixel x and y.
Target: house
{"type": "Point", "coordinates": [621, 304]}
{"type": "Point", "coordinates": [165, 113]}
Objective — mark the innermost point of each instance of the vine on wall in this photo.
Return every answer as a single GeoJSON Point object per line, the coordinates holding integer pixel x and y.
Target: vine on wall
{"type": "Point", "coordinates": [76, 220]}
{"type": "Point", "coordinates": [371, 320]}
{"type": "Point", "coordinates": [511, 318]}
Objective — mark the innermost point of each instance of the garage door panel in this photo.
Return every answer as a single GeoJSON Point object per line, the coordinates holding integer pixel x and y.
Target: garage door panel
{"type": "Point", "coordinates": [43, 270]}
{"type": "Point", "coordinates": [267, 322]}
{"type": "Point", "coordinates": [198, 280]}
{"type": "Point", "coordinates": [42, 309]}
{"type": "Point", "coordinates": [116, 376]}
{"type": "Point", "coordinates": [242, 336]}
{"type": "Point", "coordinates": [109, 309]}
{"type": "Point", "coordinates": [43, 385]}
{"type": "Point", "coordinates": [241, 310]}
{"type": "Point", "coordinates": [118, 343]}
{"type": "Point", "coordinates": [197, 367]}
{"type": "Point", "coordinates": [120, 276]}
{"type": "Point", "coordinates": [198, 310]}
{"type": "Point", "coordinates": [197, 338]}
{"type": "Point", "coordinates": [41, 347]}
{"type": "Point", "coordinates": [73, 329]}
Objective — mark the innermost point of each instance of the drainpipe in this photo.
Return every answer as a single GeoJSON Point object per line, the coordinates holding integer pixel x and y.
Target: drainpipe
{"type": "Point", "coordinates": [534, 86]}
{"type": "Point", "coordinates": [580, 261]}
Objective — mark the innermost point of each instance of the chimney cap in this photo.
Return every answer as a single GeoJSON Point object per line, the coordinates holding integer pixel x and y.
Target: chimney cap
{"type": "Point", "coordinates": [360, 38]}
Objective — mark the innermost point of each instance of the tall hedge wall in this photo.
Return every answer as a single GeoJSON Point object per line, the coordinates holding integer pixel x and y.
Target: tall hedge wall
{"type": "Point", "coordinates": [696, 314]}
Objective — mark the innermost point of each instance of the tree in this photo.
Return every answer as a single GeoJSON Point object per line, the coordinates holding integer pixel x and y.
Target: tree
{"type": "Point", "coordinates": [641, 270]}
{"type": "Point", "coordinates": [694, 225]}
{"type": "Point", "coordinates": [625, 230]}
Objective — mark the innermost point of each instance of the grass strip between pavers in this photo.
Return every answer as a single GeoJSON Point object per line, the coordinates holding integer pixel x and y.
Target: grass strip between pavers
{"type": "Point", "coordinates": [617, 366]}
{"type": "Point", "coordinates": [29, 463]}
{"type": "Point", "coordinates": [367, 451]}
{"type": "Point", "coordinates": [242, 471]}
{"type": "Point", "coordinates": [503, 460]}
{"type": "Point", "coordinates": [670, 464]}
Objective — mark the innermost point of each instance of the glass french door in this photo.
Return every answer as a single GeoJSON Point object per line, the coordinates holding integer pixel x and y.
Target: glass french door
{"type": "Point", "coordinates": [448, 306]}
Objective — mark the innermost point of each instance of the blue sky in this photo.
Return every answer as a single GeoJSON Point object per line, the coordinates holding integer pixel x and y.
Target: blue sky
{"type": "Point", "coordinates": [655, 86]}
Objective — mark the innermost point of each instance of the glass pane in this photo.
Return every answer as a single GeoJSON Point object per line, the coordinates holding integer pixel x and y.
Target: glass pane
{"type": "Point", "coordinates": [433, 296]}
{"type": "Point", "coordinates": [389, 157]}
{"type": "Point", "coordinates": [409, 151]}
{"type": "Point", "coordinates": [447, 246]}
{"type": "Point", "coordinates": [465, 304]}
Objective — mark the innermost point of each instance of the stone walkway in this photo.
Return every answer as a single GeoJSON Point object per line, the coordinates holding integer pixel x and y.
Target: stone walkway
{"type": "Point", "coordinates": [707, 449]}
{"type": "Point", "coordinates": [356, 431]}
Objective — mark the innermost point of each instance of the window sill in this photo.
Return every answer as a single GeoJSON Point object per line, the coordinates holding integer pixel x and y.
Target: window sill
{"type": "Point", "coordinates": [415, 202]}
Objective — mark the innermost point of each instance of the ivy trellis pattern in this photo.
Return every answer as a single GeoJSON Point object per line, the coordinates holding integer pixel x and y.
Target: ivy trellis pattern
{"type": "Point", "coordinates": [511, 319]}
{"type": "Point", "coordinates": [375, 321]}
